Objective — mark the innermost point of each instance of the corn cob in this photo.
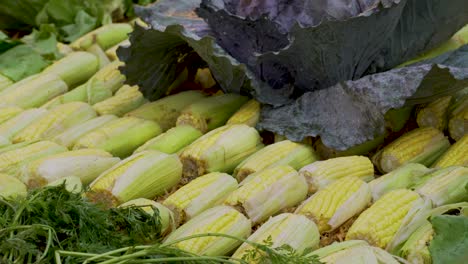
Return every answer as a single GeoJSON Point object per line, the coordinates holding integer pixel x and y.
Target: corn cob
{"type": "Point", "coordinates": [457, 154]}
{"type": "Point", "coordinates": [86, 164]}
{"type": "Point", "coordinates": [321, 173]}
{"type": "Point", "coordinates": [4, 142]}
{"type": "Point", "coordinates": [166, 110]}
{"type": "Point", "coordinates": [68, 137]}
{"type": "Point", "coordinates": [12, 160]}
{"type": "Point", "coordinates": [105, 36]}
{"type": "Point", "coordinates": [333, 205]}
{"type": "Point", "coordinates": [284, 152]}
{"type": "Point", "coordinates": [99, 87]}
{"type": "Point", "coordinates": [14, 125]}
{"type": "Point", "coordinates": [362, 149]}
{"type": "Point", "coordinates": [248, 114]}
{"type": "Point", "coordinates": [72, 184]}
{"type": "Point", "coordinates": [219, 219]}
{"type": "Point", "coordinates": [167, 218]}
{"type": "Point", "coordinates": [200, 194]}
{"type": "Point", "coordinates": [112, 52]}
{"type": "Point", "coordinates": [16, 146]}
{"type": "Point", "coordinates": [125, 100]}
{"type": "Point", "coordinates": [63, 49]}
{"type": "Point", "coordinates": [401, 178]}
{"type": "Point", "coordinates": [57, 120]}
{"type": "Point", "coordinates": [173, 140]}
{"type": "Point", "coordinates": [8, 112]}
{"type": "Point", "coordinates": [296, 231]}
{"type": "Point", "coordinates": [445, 186]}
{"type": "Point", "coordinates": [356, 254]}
{"type": "Point", "coordinates": [421, 145]}
{"type": "Point", "coordinates": [120, 137]}
{"type": "Point", "coordinates": [459, 122]}
{"type": "Point", "coordinates": [416, 249]}
{"type": "Point", "coordinates": [11, 187]}
{"type": "Point", "coordinates": [211, 112]}
{"type": "Point", "coordinates": [267, 192]}
{"type": "Point", "coordinates": [75, 68]}
{"type": "Point", "coordinates": [143, 175]}
{"type": "Point", "coordinates": [435, 114]}
{"type": "Point", "coordinates": [103, 60]}
{"type": "Point", "coordinates": [380, 223]}
{"type": "Point", "coordinates": [42, 86]}
{"type": "Point", "coordinates": [220, 150]}
{"type": "Point", "coordinates": [4, 82]}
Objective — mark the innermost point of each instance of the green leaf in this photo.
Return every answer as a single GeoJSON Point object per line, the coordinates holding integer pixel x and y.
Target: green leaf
{"type": "Point", "coordinates": [450, 241]}
{"type": "Point", "coordinates": [44, 41]}
{"type": "Point", "coordinates": [6, 43]}
{"type": "Point", "coordinates": [20, 62]}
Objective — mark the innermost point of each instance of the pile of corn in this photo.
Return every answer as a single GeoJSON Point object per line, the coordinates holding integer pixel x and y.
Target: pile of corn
{"type": "Point", "coordinates": [201, 162]}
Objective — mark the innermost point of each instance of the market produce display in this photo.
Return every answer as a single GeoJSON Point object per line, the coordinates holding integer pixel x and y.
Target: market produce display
{"type": "Point", "coordinates": [176, 139]}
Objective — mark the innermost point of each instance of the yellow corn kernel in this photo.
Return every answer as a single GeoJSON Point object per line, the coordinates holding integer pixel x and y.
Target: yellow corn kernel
{"type": "Point", "coordinates": [285, 152]}
{"type": "Point", "coordinates": [333, 205]}
{"type": "Point", "coordinates": [248, 114]}
{"type": "Point", "coordinates": [321, 173]}
{"type": "Point", "coordinates": [266, 192]}
{"type": "Point", "coordinates": [200, 194]}
{"type": "Point", "coordinates": [435, 114]}
{"type": "Point", "coordinates": [173, 140]}
{"type": "Point", "coordinates": [122, 102]}
{"type": "Point", "coordinates": [457, 154]}
{"type": "Point", "coordinates": [416, 248]}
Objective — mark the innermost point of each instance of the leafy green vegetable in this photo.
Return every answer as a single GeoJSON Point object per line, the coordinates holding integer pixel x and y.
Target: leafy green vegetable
{"type": "Point", "coordinates": [450, 243]}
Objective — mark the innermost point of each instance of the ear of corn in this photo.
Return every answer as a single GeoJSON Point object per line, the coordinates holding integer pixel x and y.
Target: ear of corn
{"type": "Point", "coordinates": [100, 55]}
{"type": "Point", "coordinates": [16, 146]}
{"type": "Point", "coordinates": [166, 110]}
{"type": "Point", "coordinates": [248, 114]}
{"type": "Point", "coordinates": [57, 120]}
{"type": "Point", "coordinates": [72, 184]}
{"type": "Point", "coordinates": [416, 248]}
{"type": "Point", "coordinates": [435, 114]}
{"type": "Point", "coordinates": [380, 223]}
{"type": "Point", "coordinates": [11, 187]}
{"type": "Point", "coordinates": [293, 230]}
{"type": "Point", "coordinates": [360, 255]}
{"type": "Point", "coordinates": [167, 218]}
{"type": "Point", "coordinates": [362, 149]}
{"type": "Point", "coordinates": [68, 137]}
{"type": "Point", "coordinates": [457, 154]}
{"type": "Point", "coordinates": [200, 194]}
{"type": "Point", "coordinates": [112, 52]}
{"type": "Point", "coordinates": [4, 142]}
{"type": "Point", "coordinates": [284, 152]}
{"type": "Point", "coordinates": [143, 175]}
{"type": "Point", "coordinates": [75, 68]}
{"type": "Point", "coordinates": [4, 82]}
{"type": "Point", "coordinates": [401, 178]}
{"type": "Point", "coordinates": [220, 150]}
{"type": "Point", "coordinates": [34, 91]}
{"type": "Point", "coordinates": [12, 160]}
{"type": "Point", "coordinates": [321, 173]}
{"type": "Point", "coordinates": [9, 112]}
{"type": "Point", "coordinates": [219, 219]}
{"type": "Point", "coordinates": [11, 127]}
{"type": "Point", "coordinates": [396, 119]}
{"type": "Point", "coordinates": [173, 140]}
{"type": "Point", "coordinates": [339, 201]}
{"type": "Point", "coordinates": [86, 164]}
{"type": "Point", "coordinates": [445, 186]}
{"type": "Point", "coordinates": [63, 49]}
{"type": "Point", "coordinates": [125, 100]}
{"type": "Point", "coordinates": [120, 137]}
{"type": "Point", "coordinates": [266, 192]}
{"type": "Point", "coordinates": [458, 124]}
{"type": "Point", "coordinates": [105, 36]}
{"type": "Point", "coordinates": [211, 112]}
{"type": "Point", "coordinates": [421, 145]}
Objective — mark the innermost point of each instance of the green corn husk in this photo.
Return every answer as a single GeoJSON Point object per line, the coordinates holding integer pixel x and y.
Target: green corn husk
{"type": "Point", "coordinates": [211, 112]}
{"type": "Point", "coordinates": [296, 231]}
{"type": "Point", "coordinates": [458, 123]}
{"type": "Point", "coordinates": [16, 146]}
{"type": "Point", "coordinates": [457, 154]}
{"type": "Point", "coordinates": [100, 55]}
{"type": "Point", "coordinates": [112, 52]}
{"type": "Point", "coordinates": [57, 120]}
{"type": "Point", "coordinates": [167, 218]}
{"type": "Point", "coordinates": [362, 149]}
{"type": "Point", "coordinates": [265, 193]}
{"type": "Point", "coordinates": [144, 175]}
{"type": "Point", "coordinates": [86, 164]}
{"type": "Point", "coordinates": [105, 36]}
{"type": "Point", "coordinates": [220, 150]}
{"type": "Point", "coordinates": [69, 137]}
{"type": "Point", "coordinates": [173, 140]}
{"type": "Point", "coordinates": [8, 112]}
{"type": "Point", "coordinates": [219, 219]}
{"type": "Point", "coordinates": [14, 125]}
{"type": "Point", "coordinates": [125, 100]}
{"type": "Point", "coordinates": [72, 184]}
{"type": "Point", "coordinates": [11, 187]}
{"type": "Point", "coordinates": [75, 68]}
{"type": "Point", "coordinates": [200, 194]}
{"type": "Point", "coordinates": [4, 82]}
{"type": "Point", "coordinates": [120, 137]}
{"type": "Point", "coordinates": [64, 49]}
{"type": "Point", "coordinates": [33, 91]}
{"type": "Point", "coordinates": [416, 249]}
{"type": "Point", "coordinates": [99, 87]}
{"type": "Point", "coordinates": [435, 114]}
{"type": "Point", "coordinates": [166, 110]}
{"type": "Point", "coordinates": [421, 145]}
{"type": "Point", "coordinates": [444, 186]}
{"type": "Point", "coordinates": [400, 178]}
{"type": "Point", "coordinates": [396, 119]}
{"type": "Point", "coordinates": [284, 152]}
{"type": "Point", "coordinates": [12, 160]}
